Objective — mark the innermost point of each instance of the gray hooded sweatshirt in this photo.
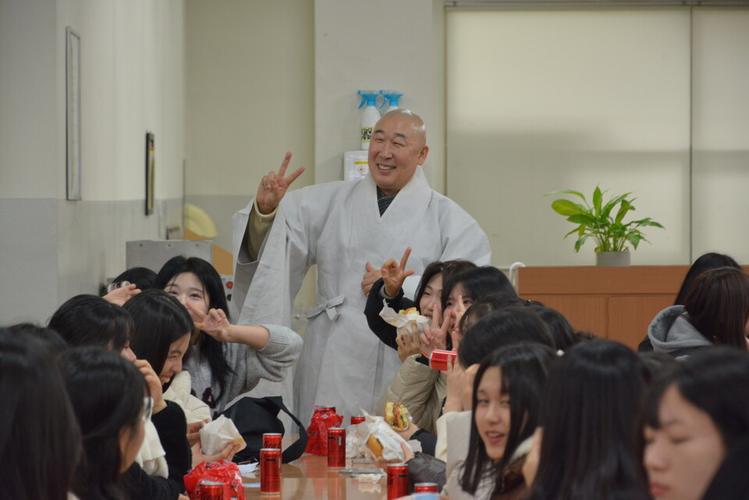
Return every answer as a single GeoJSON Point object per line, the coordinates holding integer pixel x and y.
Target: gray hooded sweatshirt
{"type": "Point", "coordinates": [672, 333]}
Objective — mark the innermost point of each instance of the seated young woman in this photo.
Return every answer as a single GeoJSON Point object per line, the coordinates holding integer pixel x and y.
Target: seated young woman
{"type": "Point", "coordinates": [506, 405]}
{"type": "Point", "coordinates": [697, 427]}
{"type": "Point", "coordinates": [589, 447]}
{"type": "Point", "coordinates": [390, 289]}
{"type": "Point", "coordinates": [715, 311]}
{"type": "Point", "coordinates": [498, 329]}
{"type": "Point", "coordinates": [704, 262]}
{"type": "Point", "coordinates": [88, 320]}
{"type": "Point", "coordinates": [421, 389]}
{"type": "Point", "coordinates": [40, 443]}
{"type": "Point", "coordinates": [161, 336]}
{"type": "Point", "coordinates": [224, 359]}
{"type": "Point", "coordinates": [111, 402]}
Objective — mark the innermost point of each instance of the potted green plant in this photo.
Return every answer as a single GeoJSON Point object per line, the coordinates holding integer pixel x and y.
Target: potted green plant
{"type": "Point", "coordinates": [603, 221]}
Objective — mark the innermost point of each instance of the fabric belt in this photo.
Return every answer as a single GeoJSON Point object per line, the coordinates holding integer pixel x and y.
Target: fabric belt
{"type": "Point", "coordinates": [330, 307]}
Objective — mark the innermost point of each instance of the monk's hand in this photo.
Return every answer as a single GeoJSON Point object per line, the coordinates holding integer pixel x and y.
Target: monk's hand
{"type": "Point", "coordinates": [370, 276]}
{"type": "Point", "coordinates": [395, 273]}
{"type": "Point", "coordinates": [273, 186]}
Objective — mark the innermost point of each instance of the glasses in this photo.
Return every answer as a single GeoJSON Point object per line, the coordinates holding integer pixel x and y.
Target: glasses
{"type": "Point", "coordinates": [147, 408]}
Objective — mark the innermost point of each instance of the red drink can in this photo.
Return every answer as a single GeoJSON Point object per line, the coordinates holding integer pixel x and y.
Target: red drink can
{"type": "Point", "coordinates": [270, 470]}
{"type": "Point", "coordinates": [336, 447]}
{"type": "Point", "coordinates": [397, 480]}
{"type": "Point", "coordinates": [439, 358]}
{"type": "Point", "coordinates": [210, 490]}
{"type": "Point", "coordinates": [426, 488]}
{"type": "Point", "coordinates": [272, 440]}
{"type": "Point", "coordinates": [357, 420]}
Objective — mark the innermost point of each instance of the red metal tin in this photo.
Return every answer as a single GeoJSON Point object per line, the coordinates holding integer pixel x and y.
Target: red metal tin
{"type": "Point", "coordinates": [357, 420]}
{"type": "Point", "coordinates": [272, 440]}
{"type": "Point", "coordinates": [210, 490]}
{"type": "Point", "coordinates": [336, 447]}
{"type": "Point", "coordinates": [438, 360]}
{"type": "Point", "coordinates": [397, 480]}
{"type": "Point", "coordinates": [270, 470]}
{"type": "Point", "coordinates": [426, 488]}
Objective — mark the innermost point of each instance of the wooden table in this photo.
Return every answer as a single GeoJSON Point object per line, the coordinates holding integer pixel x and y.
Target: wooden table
{"type": "Point", "coordinates": [309, 477]}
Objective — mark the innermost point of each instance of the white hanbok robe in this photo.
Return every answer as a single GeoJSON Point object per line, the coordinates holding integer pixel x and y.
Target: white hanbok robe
{"type": "Point", "coordinates": [338, 227]}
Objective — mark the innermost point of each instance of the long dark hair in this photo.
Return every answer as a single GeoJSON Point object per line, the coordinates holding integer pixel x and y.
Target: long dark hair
{"type": "Point", "coordinates": [480, 282]}
{"type": "Point", "coordinates": [210, 348]}
{"type": "Point", "coordinates": [159, 321]}
{"type": "Point", "coordinates": [713, 380]}
{"type": "Point", "coordinates": [40, 444]}
{"type": "Point", "coordinates": [142, 277]}
{"type": "Point", "coordinates": [559, 327]}
{"type": "Point", "coordinates": [447, 268]}
{"type": "Point", "coordinates": [91, 320]}
{"type": "Point", "coordinates": [500, 328]}
{"type": "Point", "coordinates": [106, 392]}
{"type": "Point", "coordinates": [523, 370]}
{"type": "Point", "coordinates": [591, 445]}
{"type": "Point", "coordinates": [703, 263]}
{"type": "Point", "coordinates": [718, 306]}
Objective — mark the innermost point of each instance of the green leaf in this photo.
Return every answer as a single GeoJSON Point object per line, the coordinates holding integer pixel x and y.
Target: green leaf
{"type": "Point", "coordinates": [569, 191]}
{"type": "Point", "coordinates": [586, 219]}
{"type": "Point", "coordinates": [597, 196]}
{"type": "Point", "coordinates": [576, 230]}
{"type": "Point", "coordinates": [567, 207]}
{"type": "Point", "coordinates": [580, 241]}
{"type": "Point", "coordinates": [609, 206]}
{"type": "Point", "coordinates": [625, 207]}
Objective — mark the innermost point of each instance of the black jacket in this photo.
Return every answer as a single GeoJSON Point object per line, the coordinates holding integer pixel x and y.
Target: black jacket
{"type": "Point", "coordinates": [385, 332]}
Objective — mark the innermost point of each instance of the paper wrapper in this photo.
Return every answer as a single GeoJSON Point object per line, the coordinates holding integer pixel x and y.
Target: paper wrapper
{"type": "Point", "coordinates": [219, 434]}
{"type": "Point", "coordinates": [412, 323]}
{"type": "Point", "coordinates": [375, 426]}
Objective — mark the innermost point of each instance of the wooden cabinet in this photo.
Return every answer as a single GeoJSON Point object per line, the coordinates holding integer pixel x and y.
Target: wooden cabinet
{"type": "Point", "coordinates": [612, 302]}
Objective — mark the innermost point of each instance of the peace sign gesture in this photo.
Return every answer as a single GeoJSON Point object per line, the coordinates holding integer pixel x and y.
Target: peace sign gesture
{"type": "Point", "coordinates": [435, 335]}
{"type": "Point", "coordinates": [394, 274]}
{"type": "Point", "coordinates": [273, 186]}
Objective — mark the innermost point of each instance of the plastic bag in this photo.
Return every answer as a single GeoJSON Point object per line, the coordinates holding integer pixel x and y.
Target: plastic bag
{"type": "Point", "coordinates": [407, 322]}
{"type": "Point", "coordinates": [317, 433]}
{"type": "Point", "coordinates": [223, 471]}
{"type": "Point", "coordinates": [374, 438]}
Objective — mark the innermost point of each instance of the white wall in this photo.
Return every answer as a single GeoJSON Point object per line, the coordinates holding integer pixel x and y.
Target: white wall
{"type": "Point", "coordinates": [132, 59]}
{"type": "Point", "coordinates": [534, 107]}
{"type": "Point", "coordinates": [721, 132]}
{"type": "Point", "coordinates": [250, 98]}
{"type": "Point", "coordinates": [388, 44]}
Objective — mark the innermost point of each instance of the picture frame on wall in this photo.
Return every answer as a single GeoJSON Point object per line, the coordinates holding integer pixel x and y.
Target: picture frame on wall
{"type": "Point", "coordinates": [73, 114]}
{"type": "Point", "coordinates": [150, 171]}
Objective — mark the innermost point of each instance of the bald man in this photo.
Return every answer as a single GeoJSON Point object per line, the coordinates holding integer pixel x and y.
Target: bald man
{"type": "Point", "coordinates": [348, 229]}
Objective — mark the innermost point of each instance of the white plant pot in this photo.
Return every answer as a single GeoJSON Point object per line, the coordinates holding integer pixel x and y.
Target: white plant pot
{"type": "Point", "coordinates": [613, 259]}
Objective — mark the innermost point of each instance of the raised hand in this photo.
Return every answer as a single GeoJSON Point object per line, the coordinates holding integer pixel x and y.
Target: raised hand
{"type": "Point", "coordinates": [456, 381]}
{"type": "Point", "coordinates": [394, 273]}
{"type": "Point", "coordinates": [193, 432]}
{"type": "Point", "coordinates": [122, 294]}
{"type": "Point", "coordinates": [214, 323]}
{"type": "Point", "coordinates": [435, 335]}
{"type": "Point", "coordinates": [153, 382]}
{"type": "Point", "coordinates": [408, 342]}
{"type": "Point", "coordinates": [370, 276]}
{"type": "Point", "coordinates": [273, 186]}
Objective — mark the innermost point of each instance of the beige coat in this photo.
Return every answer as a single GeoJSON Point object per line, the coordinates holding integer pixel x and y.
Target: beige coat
{"type": "Point", "coordinates": [421, 389]}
